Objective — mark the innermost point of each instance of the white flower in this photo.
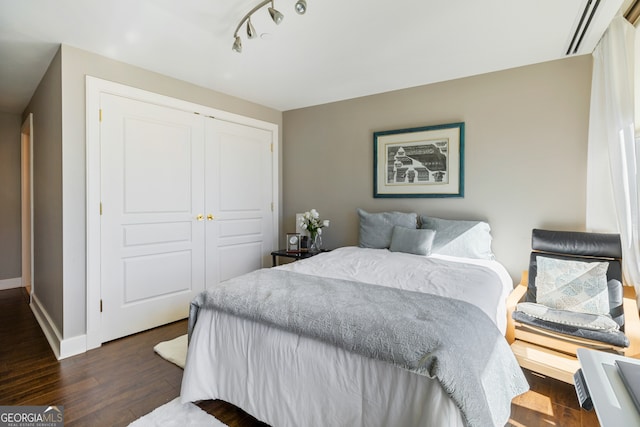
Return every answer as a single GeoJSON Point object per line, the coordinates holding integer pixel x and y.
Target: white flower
{"type": "Point", "coordinates": [311, 222]}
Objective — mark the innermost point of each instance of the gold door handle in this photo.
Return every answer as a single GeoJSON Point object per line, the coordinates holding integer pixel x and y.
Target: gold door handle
{"type": "Point", "coordinates": [200, 217]}
{"type": "Point", "coordinates": [210, 217]}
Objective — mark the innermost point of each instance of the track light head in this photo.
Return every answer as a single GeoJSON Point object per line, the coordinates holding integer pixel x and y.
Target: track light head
{"type": "Point", "coordinates": [275, 15]}
{"type": "Point", "coordinates": [251, 31]}
{"type": "Point", "coordinates": [237, 45]}
{"type": "Point", "coordinates": [301, 7]}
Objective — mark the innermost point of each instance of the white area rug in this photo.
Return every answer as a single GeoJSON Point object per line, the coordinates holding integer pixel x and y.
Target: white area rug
{"type": "Point", "coordinates": [175, 350]}
{"type": "Point", "coordinates": [176, 414]}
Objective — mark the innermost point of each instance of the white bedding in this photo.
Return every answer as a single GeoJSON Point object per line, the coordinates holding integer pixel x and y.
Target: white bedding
{"type": "Point", "coordinates": [415, 273]}
{"type": "Point", "coordinates": [285, 379]}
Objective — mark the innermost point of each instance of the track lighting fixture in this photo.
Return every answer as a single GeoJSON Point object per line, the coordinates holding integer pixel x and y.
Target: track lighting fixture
{"type": "Point", "coordinates": [276, 16]}
{"type": "Point", "coordinates": [237, 45]}
{"type": "Point", "coordinates": [301, 7]}
{"type": "Point", "coordinates": [251, 31]}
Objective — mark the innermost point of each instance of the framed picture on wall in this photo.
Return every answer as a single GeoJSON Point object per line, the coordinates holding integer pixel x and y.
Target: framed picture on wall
{"type": "Point", "coordinates": [419, 162]}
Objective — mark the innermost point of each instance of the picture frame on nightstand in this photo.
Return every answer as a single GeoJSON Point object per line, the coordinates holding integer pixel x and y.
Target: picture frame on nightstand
{"type": "Point", "coordinates": [293, 242]}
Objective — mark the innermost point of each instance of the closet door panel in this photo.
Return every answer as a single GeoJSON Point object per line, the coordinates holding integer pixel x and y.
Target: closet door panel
{"type": "Point", "coordinates": [238, 259]}
{"type": "Point", "coordinates": [239, 195]}
{"type": "Point", "coordinates": [152, 190]}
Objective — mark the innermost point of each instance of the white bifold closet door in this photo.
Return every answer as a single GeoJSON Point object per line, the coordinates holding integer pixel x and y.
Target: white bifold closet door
{"type": "Point", "coordinates": [186, 203]}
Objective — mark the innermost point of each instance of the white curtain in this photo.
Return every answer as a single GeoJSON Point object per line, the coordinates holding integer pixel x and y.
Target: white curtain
{"type": "Point", "coordinates": [612, 114]}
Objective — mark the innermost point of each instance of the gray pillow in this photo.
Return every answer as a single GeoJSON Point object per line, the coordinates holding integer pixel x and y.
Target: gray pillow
{"type": "Point", "coordinates": [466, 239]}
{"type": "Point", "coordinates": [411, 240]}
{"type": "Point", "coordinates": [376, 228]}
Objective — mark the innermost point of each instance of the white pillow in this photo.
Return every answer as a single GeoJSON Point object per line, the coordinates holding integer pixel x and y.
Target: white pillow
{"type": "Point", "coordinates": [572, 285]}
{"type": "Point", "coordinates": [466, 239]}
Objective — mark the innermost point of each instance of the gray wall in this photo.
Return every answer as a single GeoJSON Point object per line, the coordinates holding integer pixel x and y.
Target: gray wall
{"type": "Point", "coordinates": [46, 106]}
{"type": "Point", "coordinates": [10, 196]}
{"type": "Point", "coordinates": [525, 154]}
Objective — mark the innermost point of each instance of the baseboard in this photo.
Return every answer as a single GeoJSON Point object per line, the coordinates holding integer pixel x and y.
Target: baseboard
{"type": "Point", "coordinates": [46, 324]}
{"type": "Point", "coordinates": [5, 284]}
{"type": "Point", "coordinates": [61, 348]}
{"type": "Point", "coordinates": [73, 346]}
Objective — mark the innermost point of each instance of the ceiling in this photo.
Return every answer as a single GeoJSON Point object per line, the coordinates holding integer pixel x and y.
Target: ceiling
{"type": "Point", "coordinates": [337, 50]}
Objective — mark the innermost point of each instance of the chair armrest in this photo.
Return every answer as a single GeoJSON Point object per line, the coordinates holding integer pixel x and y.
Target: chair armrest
{"type": "Point", "coordinates": [513, 299]}
{"type": "Point", "coordinates": [631, 322]}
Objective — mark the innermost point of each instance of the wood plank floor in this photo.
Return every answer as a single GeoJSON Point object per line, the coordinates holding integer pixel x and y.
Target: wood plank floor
{"type": "Point", "coordinates": [124, 379]}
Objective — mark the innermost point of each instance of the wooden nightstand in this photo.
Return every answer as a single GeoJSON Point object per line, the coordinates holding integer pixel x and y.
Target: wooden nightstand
{"type": "Point", "coordinates": [295, 255]}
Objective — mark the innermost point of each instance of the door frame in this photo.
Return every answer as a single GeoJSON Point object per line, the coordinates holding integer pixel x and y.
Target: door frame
{"type": "Point", "coordinates": [26, 202]}
{"type": "Point", "coordinates": [94, 88]}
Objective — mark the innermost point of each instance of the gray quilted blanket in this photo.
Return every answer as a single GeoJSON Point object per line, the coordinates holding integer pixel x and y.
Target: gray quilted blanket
{"type": "Point", "coordinates": [443, 338]}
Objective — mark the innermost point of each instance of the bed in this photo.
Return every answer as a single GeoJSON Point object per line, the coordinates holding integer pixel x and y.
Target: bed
{"type": "Point", "coordinates": [276, 360]}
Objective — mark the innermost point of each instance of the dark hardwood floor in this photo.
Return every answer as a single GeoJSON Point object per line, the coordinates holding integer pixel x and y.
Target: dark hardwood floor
{"type": "Point", "coordinates": [124, 379]}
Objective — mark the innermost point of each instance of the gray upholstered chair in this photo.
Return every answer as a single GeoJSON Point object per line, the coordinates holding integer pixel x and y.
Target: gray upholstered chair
{"type": "Point", "coordinates": [546, 332]}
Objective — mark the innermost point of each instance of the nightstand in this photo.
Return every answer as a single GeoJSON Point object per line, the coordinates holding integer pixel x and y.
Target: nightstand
{"type": "Point", "coordinates": [295, 255]}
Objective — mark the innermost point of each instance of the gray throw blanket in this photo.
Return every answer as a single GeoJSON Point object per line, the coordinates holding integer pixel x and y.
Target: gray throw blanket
{"type": "Point", "coordinates": [443, 338]}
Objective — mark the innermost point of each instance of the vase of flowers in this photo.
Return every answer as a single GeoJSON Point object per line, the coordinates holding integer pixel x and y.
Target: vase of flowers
{"type": "Point", "coordinates": [311, 222]}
